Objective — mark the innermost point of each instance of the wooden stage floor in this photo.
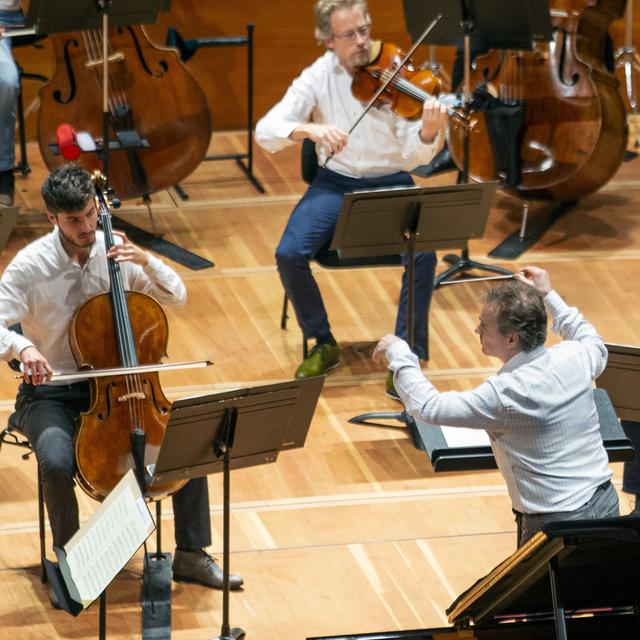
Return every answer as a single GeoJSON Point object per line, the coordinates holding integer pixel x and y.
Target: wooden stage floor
{"type": "Point", "coordinates": [354, 532]}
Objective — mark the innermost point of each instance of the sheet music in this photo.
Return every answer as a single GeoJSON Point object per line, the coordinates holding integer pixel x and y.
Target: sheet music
{"type": "Point", "coordinates": [464, 437]}
{"type": "Point", "coordinates": [106, 542]}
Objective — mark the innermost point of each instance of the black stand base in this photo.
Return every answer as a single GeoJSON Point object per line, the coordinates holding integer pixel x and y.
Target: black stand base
{"type": "Point", "coordinates": [162, 246]}
{"type": "Point", "coordinates": [156, 596]}
{"type": "Point", "coordinates": [518, 242]}
{"type": "Point", "coordinates": [407, 422]}
{"type": "Point", "coordinates": [461, 264]}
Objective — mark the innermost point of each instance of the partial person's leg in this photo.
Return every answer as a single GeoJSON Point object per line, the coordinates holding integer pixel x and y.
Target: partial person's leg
{"type": "Point", "coordinates": [309, 228]}
{"type": "Point", "coordinates": [47, 416]}
{"type": "Point", "coordinates": [9, 89]}
{"type": "Point", "coordinates": [425, 266]}
{"type": "Point", "coordinates": [192, 523]}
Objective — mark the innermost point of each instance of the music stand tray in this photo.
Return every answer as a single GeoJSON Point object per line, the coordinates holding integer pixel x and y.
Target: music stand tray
{"type": "Point", "coordinates": [231, 430]}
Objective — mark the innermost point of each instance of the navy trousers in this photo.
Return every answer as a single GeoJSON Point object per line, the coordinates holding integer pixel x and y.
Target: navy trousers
{"type": "Point", "coordinates": [47, 415]}
{"type": "Point", "coordinates": [311, 227]}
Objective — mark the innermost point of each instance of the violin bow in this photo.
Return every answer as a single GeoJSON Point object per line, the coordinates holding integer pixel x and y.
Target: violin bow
{"type": "Point", "coordinates": [390, 79]}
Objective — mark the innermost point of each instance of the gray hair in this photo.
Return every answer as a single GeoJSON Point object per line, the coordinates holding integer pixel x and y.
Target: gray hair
{"type": "Point", "coordinates": [67, 189]}
{"type": "Point", "coordinates": [324, 9]}
{"type": "Point", "coordinates": [520, 310]}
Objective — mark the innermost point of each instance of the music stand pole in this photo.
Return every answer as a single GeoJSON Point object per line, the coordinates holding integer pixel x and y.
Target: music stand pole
{"type": "Point", "coordinates": [463, 263]}
{"type": "Point", "coordinates": [223, 446]}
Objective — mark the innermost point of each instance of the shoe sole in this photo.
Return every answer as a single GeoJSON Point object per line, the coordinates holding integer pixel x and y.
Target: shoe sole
{"type": "Point", "coordinates": [392, 396]}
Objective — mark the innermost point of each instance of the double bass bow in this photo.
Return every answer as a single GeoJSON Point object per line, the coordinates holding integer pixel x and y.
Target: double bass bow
{"type": "Point", "coordinates": [125, 332]}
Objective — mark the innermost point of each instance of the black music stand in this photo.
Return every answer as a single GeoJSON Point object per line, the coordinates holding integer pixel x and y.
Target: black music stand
{"type": "Point", "coordinates": [478, 26]}
{"type": "Point", "coordinates": [232, 430]}
{"type": "Point", "coordinates": [410, 220]}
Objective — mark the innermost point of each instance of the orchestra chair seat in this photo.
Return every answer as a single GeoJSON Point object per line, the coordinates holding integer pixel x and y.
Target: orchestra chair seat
{"type": "Point", "coordinates": [328, 258]}
{"type": "Point", "coordinates": [12, 436]}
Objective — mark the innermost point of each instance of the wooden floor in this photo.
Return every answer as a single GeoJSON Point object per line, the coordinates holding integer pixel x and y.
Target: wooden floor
{"type": "Point", "coordinates": [355, 532]}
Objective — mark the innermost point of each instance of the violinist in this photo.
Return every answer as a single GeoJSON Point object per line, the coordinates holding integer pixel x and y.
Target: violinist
{"type": "Point", "coordinates": [41, 289]}
{"type": "Point", "coordinates": [378, 154]}
{"type": "Point", "coordinates": [10, 16]}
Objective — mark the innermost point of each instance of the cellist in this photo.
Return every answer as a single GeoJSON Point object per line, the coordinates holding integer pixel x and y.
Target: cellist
{"type": "Point", "coordinates": [378, 154]}
{"type": "Point", "coordinates": [41, 289]}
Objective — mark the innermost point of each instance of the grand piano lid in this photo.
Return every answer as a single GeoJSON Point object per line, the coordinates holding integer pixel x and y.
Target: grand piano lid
{"type": "Point", "coordinates": [598, 564]}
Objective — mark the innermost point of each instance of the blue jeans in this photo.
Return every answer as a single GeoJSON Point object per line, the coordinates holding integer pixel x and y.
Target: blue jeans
{"type": "Point", "coordinates": [311, 226]}
{"type": "Point", "coordinates": [47, 416]}
{"type": "Point", "coordinates": [9, 90]}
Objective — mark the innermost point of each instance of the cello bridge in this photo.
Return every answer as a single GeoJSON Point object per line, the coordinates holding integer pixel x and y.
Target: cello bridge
{"type": "Point", "coordinates": [136, 395]}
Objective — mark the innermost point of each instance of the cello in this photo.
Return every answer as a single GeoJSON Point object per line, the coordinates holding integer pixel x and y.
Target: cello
{"type": "Point", "coordinates": [574, 134]}
{"type": "Point", "coordinates": [127, 418]}
{"type": "Point", "coordinates": [150, 92]}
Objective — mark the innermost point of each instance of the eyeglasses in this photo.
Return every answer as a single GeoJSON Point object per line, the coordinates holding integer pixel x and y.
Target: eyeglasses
{"type": "Point", "coordinates": [351, 36]}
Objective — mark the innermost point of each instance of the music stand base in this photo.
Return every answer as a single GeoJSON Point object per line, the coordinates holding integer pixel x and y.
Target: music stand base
{"type": "Point", "coordinates": [517, 243]}
{"type": "Point", "coordinates": [462, 264]}
{"type": "Point", "coordinates": [235, 633]}
{"type": "Point", "coordinates": [156, 596]}
{"type": "Point", "coordinates": [406, 422]}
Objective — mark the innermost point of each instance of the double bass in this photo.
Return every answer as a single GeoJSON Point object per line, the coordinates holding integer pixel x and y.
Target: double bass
{"type": "Point", "coordinates": [574, 133]}
{"type": "Point", "coordinates": [151, 92]}
{"type": "Point", "coordinates": [127, 418]}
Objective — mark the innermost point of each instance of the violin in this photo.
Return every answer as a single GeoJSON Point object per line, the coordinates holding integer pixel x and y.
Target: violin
{"type": "Point", "coordinates": [407, 91]}
{"type": "Point", "coordinates": [151, 92]}
{"type": "Point", "coordinates": [127, 418]}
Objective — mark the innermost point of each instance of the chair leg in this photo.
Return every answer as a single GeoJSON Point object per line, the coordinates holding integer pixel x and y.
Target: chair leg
{"type": "Point", "coordinates": [285, 315]}
{"type": "Point", "coordinates": [41, 524]}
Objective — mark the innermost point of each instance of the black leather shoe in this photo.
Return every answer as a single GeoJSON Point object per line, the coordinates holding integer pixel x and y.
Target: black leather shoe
{"type": "Point", "coordinates": [199, 566]}
{"type": "Point", "coordinates": [322, 358]}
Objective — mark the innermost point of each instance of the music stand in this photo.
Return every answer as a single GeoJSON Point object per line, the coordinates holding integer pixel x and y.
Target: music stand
{"type": "Point", "coordinates": [232, 430]}
{"type": "Point", "coordinates": [499, 24]}
{"type": "Point", "coordinates": [410, 220]}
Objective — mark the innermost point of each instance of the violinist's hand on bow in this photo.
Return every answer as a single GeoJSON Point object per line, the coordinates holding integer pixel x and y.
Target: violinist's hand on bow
{"type": "Point", "coordinates": [330, 138]}
{"type": "Point", "coordinates": [35, 368]}
{"type": "Point", "coordinates": [434, 117]}
{"type": "Point", "coordinates": [127, 251]}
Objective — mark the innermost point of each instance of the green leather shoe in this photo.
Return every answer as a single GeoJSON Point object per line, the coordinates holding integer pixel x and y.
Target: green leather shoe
{"type": "Point", "coordinates": [321, 359]}
{"type": "Point", "coordinates": [390, 391]}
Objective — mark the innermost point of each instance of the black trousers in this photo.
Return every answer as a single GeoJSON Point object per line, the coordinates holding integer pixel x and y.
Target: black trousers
{"type": "Point", "coordinates": [47, 415]}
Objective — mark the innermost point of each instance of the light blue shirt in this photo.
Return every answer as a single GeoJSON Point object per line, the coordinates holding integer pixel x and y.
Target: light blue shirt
{"type": "Point", "coordinates": [538, 411]}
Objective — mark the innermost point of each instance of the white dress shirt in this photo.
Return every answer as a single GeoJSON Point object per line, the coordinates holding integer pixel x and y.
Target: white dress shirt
{"type": "Point", "coordinates": [381, 144]}
{"type": "Point", "coordinates": [538, 411]}
{"type": "Point", "coordinates": [43, 287]}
